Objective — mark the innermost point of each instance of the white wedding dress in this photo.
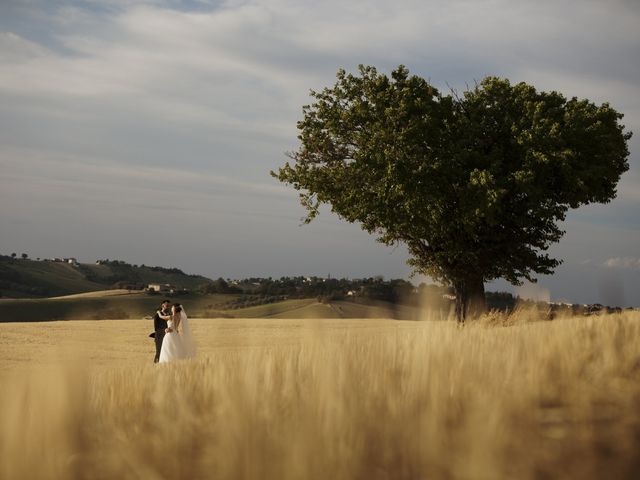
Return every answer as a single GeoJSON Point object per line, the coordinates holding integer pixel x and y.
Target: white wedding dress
{"type": "Point", "coordinates": [177, 344]}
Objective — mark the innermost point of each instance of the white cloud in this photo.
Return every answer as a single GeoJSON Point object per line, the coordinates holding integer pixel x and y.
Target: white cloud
{"type": "Point", "coordinates": [15, 49]}
{"type": "Point", "coordinates": [632, 263]}
{"type": "Point", "coordinates": [93, 177]}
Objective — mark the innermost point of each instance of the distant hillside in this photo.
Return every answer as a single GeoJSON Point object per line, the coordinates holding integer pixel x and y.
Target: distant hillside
{"type": "Point", "coordinates": [122, 304]}
{"type": "Point", "coordinates": [24, 278]}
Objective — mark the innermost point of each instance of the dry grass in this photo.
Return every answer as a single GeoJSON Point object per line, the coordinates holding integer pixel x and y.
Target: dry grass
{"type": "Point", "coordinates": [331, 399]}
{"type": "Point", "coordinates": [97, 294]}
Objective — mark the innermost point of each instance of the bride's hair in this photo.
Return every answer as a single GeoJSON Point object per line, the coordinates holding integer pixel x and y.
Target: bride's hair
{"type": "Point", "coordinates": [177, 308]}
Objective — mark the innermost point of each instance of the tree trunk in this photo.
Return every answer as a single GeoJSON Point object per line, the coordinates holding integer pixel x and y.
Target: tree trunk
{"type": "Point", "coordinates": [470, 299]}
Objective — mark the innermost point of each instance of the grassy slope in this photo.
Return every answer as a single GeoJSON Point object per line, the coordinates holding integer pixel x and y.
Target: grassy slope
{"type": "Point", "coordinates": [122, 304]}
{"type": "Point", "coordinates": [57, 278]}
{"type": "Point", "coordinates": [125, 305]}
{"type": "Point", "coordinates": [376, 309]}
{"type": "Point", "coordinates": [64, 279]}
{"type": "Point", "coordinates": [97, 294]}
{"type": "Point", "coordinates": [299, 308]}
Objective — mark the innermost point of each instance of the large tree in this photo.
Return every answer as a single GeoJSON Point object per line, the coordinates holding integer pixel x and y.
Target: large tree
{"type": "Point", "coordinates": [474, 184]}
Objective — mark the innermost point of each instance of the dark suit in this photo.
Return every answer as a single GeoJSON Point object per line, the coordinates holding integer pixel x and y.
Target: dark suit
{"type": "Point", "coordinates": [159, 324]}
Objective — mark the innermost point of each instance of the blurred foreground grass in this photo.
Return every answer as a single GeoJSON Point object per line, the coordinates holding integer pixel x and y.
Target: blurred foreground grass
{"type": "Point", "coordinates": [324, 399]}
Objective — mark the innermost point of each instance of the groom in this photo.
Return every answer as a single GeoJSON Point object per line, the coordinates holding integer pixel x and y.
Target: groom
{"type": "Point", "coordinates": [160, 325]}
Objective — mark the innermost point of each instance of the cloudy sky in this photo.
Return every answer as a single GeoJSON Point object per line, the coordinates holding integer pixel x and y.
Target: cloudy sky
{"type": "Point", "coordinates": [145, 131]}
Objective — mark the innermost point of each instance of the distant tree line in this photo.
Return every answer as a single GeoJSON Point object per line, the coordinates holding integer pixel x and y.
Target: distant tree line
{"type": "Point", "coordinates": [218, 286]}
{"type": "Point", "coordinates": [125, 274]}
{"type": "Point", "coordinates": [394, 290]}
{"type": "Point", "coordinates": [13, 256]}
{"type": "Point", "coordinates": [325, 289]}
{"type": "Point", "coordinates": [122, 264]}
{"type": "Point", "coordinates": [258, 290]}
{"type": "Point", "coordinates": [244, 301]}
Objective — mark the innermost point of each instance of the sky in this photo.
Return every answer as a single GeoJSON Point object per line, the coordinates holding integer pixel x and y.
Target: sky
{"type": "Point", "coordinates": [145, 131]}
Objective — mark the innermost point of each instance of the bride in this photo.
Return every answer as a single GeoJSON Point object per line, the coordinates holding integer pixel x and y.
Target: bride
{"type": "Point", "coordinates": [178, 342]}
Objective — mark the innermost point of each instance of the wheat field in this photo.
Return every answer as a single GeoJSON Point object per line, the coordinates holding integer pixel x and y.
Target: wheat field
{"type": "Point", "coordinates": [324, 399]}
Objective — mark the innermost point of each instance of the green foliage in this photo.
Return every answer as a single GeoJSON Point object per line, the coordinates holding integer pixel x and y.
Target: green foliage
{"type": "Point", "coordinates": [329, 289]}
{"type": "Point", "coordinates": [474, 185]}
{"type": "Point", "coordinates": [218, 286]}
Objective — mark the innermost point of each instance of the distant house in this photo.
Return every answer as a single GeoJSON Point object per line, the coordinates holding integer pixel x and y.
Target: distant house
{"type": "Point", "coordinates": [71, 260]}
{"type": "Point", "coordinates": [165, 288]}
{"type": "Point", "coordinates": [561, 303]}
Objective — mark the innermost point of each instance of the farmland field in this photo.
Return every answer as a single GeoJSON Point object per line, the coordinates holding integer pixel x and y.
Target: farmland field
{"type": "Point", "coordinates": [331, 398]}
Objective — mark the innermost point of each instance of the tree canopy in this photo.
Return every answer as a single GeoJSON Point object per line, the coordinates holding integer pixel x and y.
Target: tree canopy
{"type": "Point", "coordinates": [473, 184]}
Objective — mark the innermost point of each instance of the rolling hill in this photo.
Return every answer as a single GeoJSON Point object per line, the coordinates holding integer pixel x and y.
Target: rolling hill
{"type": "Point", "coordinates": [123, 304]}
{"type": "Point", "coordinates": [24, 278]}
{"type": "Point", "coordinates": [54, 290]}
{"type": "Point", "coordinates": [109, 304]}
